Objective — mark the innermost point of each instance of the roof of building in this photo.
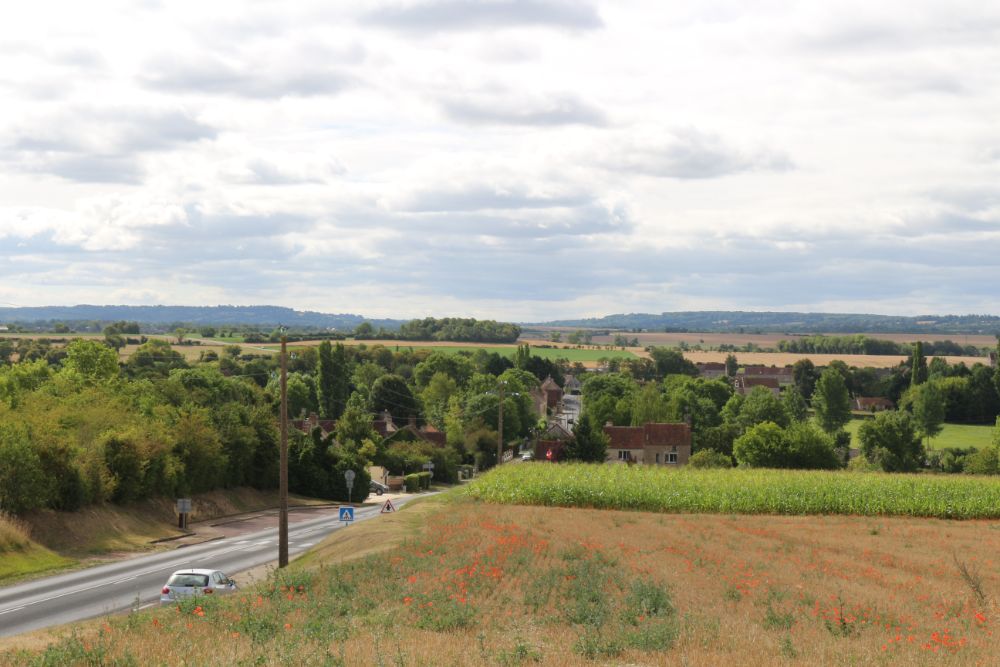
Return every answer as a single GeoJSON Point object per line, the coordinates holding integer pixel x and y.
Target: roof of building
{"type": "Point", "coordinates": [648, 435]}
{"type": "Point", "coordinates": [550, 385]}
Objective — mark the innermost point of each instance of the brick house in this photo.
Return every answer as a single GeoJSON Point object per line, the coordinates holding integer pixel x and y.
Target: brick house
{"type": "Point", "coordinates": [711, 370]}
{"type": "Point", "coordinates": [553, 392]}
{"type": "Point", "coordinates": [651, 444]}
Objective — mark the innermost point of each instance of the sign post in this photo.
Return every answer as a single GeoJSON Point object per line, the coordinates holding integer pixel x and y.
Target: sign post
{"type": "Point", "coordinates": [349, 478]}
{"type": "Point", "coordinates": [429, 467]}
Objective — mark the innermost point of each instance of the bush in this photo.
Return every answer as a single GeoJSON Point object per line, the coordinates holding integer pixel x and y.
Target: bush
{"type": "Point", "coordinates": [709, 458]}
{"type": "Point", "coordinates": [425, 480]}
{"type": "Point", "coordinates": [412, 483]}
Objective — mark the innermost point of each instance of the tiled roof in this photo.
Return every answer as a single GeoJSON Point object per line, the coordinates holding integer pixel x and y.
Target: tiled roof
{"type": "Point", "coordinates": [659, 435]}
{"type": "Point", "coordinates": [625, 437]}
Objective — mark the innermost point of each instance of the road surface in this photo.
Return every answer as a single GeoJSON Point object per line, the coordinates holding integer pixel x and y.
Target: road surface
{"type": "Point", "coordinates": [136, 582]}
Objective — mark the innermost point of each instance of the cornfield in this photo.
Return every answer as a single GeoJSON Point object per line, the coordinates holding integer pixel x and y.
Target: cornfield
{"type": "Point", "coordinates": [741, 491]}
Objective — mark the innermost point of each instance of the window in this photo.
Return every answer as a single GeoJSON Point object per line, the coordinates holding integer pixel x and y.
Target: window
{"type": "Point", "coordinates": [188, 579]}
{"type": "Point", "coordinates": [657, 457]}
{"type": "Point", "coordinates": [671, 457]}
{"type": "Point", "coordinates": [623, 455]}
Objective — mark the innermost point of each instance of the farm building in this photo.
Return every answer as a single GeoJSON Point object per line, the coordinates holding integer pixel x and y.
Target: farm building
{"type": "Point", "coordinates": [873, 404]}
{"type": "Point", "coordinates": [651, 444]}
{"type": "Point", "coordinates": [744, 385]}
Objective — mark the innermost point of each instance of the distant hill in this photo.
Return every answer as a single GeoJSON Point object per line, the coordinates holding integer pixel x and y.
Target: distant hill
{"type": "Point", "coordinates": [162, 316]}
{"type": "Point", "coordinates": [750, 322]}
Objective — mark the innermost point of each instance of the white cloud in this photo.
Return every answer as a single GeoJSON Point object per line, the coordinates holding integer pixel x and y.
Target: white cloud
{"type": "Point", "coordinates": [524, 160]}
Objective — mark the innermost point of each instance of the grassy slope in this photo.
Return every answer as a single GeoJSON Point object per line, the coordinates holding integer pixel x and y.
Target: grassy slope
{"type": "Point", "coordinates": [47, 540]}
{"type": "Point", "coordinates": [952, 435]}
{"type": "Point", "coordinates": [475, 583]}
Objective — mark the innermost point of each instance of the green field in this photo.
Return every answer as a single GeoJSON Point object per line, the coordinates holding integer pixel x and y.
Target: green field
{"type": "Point", "coordinates": [952, 435]}
{"type": "Point", "coordinates": [741, 491]}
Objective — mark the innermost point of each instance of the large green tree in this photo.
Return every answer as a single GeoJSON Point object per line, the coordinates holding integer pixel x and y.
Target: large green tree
{"type": "Point", "coordinates": [589, 444]}
{"type": "Point", "coordinates": [928, 405]}
{"type": "Point", "coordinates": [333, 387]}
{"type": "Point", "coordinates": [918, 373]}
{"type": "Point", "coordinates": [890, 440]}
{"type": "Point", "coordinates": [831, 401]}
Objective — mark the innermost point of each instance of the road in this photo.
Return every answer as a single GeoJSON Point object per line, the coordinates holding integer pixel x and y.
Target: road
{"type": "Point", "coordinates": [136, 582]}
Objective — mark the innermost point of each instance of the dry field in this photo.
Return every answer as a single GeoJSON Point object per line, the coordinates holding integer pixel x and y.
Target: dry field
{"type": "Point", "coordinates": [480, 584]}
{"type": "Point", "coordinates": [771, 339]}
{"type": "Point", "coordinates": [787, 359]}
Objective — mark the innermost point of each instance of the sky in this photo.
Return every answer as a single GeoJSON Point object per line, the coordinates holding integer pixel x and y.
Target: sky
{"type": "Point", "coordinates": [521, 160]}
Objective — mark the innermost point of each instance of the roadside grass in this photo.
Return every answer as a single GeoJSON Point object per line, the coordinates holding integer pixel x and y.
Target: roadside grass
{"type": "Point", "coordinates": [741, 491]}
{"type": "Point", "coordinates": [461, 582]}
{"type": "Point", "coordinates": [962, 436]}
{"type": "Point", "coordinates": [46, 541]}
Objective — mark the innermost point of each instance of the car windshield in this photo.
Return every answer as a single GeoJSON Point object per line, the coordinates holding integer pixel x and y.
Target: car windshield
{"type": "Point", "coordinates": [188, 579]}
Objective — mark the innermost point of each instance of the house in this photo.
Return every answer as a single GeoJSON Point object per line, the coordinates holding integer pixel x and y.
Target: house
{"type": "Point", "coordinates": [873, 404]}
{"type": "Point", "coordinates": [651, 444]}
{"type": "Point", "coordinates": [307, 424]}
{"type": "Point", "coordinates": [556, 431]}
{"type": "Point", "coordinates": [572, 386]}
{"type": "Point", "coordinates": [412, 432]}
{"type": "Point", "coordinates": [744, 384]}
{"type": "Point", "coordinates": [711, 370]}
{"type": "Point", "coordinates": [783, 374]}
{"type": "Point", "coordinates": [553, 392]}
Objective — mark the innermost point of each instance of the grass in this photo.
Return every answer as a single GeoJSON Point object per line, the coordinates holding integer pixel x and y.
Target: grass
{"type": "Point", "coordinates": [963, 436]}
{"type": "Point", "coordinates": [475, 583]}
{"type": "Point", "coordinates": [21, 556]}
{"type": "Point", "coordinates": [741, 491]}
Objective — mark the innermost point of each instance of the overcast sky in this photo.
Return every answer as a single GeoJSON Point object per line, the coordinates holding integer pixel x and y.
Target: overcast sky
{"type": "Point", "coordinates": [513, 159]}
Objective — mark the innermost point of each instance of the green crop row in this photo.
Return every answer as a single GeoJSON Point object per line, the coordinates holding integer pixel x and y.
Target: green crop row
{"type": "Point", "coordinates": [741, 491]}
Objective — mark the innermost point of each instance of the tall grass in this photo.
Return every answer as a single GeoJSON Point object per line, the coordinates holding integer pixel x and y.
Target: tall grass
{"type": "Point", "coordinates": [13, 535]}
{"type": "Point", "coordinates": [740, 491]}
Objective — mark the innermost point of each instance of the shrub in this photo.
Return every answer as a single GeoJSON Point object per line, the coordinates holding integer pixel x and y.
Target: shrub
{"type": "Point", "coordinates": [425, 480]}
{"type": "Point", "coordinates": [709, 458]}
{"type": "Point", "coordinates": [412, 483]}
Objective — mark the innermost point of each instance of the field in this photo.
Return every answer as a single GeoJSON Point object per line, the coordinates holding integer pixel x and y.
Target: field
{"type": "Point", "coordinates": [963, 436]}
{"type": "Point", "coordinates": [474, 583]}
{"type": "Point", "coordinates": [649, 488]}
{"type": "Point", "coordinates": [771, 339]}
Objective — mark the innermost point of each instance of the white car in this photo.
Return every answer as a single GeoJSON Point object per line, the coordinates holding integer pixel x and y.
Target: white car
{"type": "Point", "coordinates": [185, 583]}
{"type": "Point", "coordinates": [527, 456]}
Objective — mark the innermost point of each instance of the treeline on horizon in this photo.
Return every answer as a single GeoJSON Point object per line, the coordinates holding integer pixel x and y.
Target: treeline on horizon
{"type": "Point", "coordinates": [861, 344]}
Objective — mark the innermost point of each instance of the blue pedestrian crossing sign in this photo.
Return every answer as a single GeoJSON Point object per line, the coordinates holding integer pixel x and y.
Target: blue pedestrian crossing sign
{"type": "Point", "coordinates": [347, 514]}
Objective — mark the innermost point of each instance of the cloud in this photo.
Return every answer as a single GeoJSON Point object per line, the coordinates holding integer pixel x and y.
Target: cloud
{"type": "Point", "coordinates": [213, 76]}
{"type": "Point", "coordinates": [549, 111]}
{"type": "Point", "coordinates": [481, 197]}
{"type": "Point", "coordinates": [693, 154]}
{"type": "Point", "coordinates": [443, 15]}
{"type": "Point", "coordinates": [100, 145]}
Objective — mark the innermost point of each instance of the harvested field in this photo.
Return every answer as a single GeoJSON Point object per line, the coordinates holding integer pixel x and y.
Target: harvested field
{"type": "Point", "coordinates": [499, 585]}
{"type": "Point", "coordinates": [787, 358]}
{"type": "Point", "coordinates": [771, 339]}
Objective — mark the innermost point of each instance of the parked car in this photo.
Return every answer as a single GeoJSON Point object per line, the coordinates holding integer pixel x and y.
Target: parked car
{"type": "Point", "coordinates": [185, 583]}
{"type": "Point", "coordinates": [527, 456]}
{"type": "Point", "coordinates": [378, 488]}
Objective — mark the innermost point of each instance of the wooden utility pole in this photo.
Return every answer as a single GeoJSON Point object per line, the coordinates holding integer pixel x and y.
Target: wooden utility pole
{"type": "Point", "coordinates": [283, 463]}
{"type": "Point", "coordinates": [500, 428]}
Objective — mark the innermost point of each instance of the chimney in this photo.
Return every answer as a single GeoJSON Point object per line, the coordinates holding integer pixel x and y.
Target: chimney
{"type": "Point", "coordinates": [387, 416]}
{"type": "Point", "coordinates": [313, 419]}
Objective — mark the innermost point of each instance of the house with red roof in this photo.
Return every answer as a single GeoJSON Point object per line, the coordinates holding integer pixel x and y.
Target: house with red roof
{"type": "Point", "coordinates": [650, 444]}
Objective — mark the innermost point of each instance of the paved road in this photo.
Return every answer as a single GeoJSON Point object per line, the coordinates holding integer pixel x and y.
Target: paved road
{"type": "Point", "coordinates": [136, 582]}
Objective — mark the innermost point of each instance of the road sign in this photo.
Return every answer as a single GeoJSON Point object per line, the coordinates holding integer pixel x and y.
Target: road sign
{"type": "Point", "coordinates": [429, 467]}
{"type": "Point", "coordinates": [183, 505]}
{"type": "Point", "coordinates": [347, 514]}
{"type": "Point", "coordinates": [387, 506]}
{"type": "Point", "coordinates": [349, 477]}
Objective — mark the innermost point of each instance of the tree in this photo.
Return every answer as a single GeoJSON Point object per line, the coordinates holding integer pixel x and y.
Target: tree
{"type": "Point", "coordinates": [804, 374]}
{"type": "Point", "coordinates": [802, 445]}
{"type": "Point", "coordinates": [671, 362]}
{"type": "Point", "coordinates": [928, 408]}
{"type": "Point", "coordinates": [890, 441]}
{"type": "Point", "coordinates": [555, 337]}
{"type": "Point", "coordinates": [761, 446]}
{"type": "Point", "coordinates": [354, 427]}
{"type": "Point", "coordinates": [760, 406]}
{"type": "Point", "coordinates": [732, 366]}
{"type": "Point", "coordinates": [333, 387]}
{"type": "Point", "coordinates": [649, 405]}
{"type": "Point", "coordinates": [831, 401]}
{"type": "Point", "coordinates": [794, 404]}
{"type": "Point", "coordinates": [589, 443]}
{"type": "Point", "coordinates": [918, 375]}
{"type": "Point", "coordinates": [91, 360]}
{"type": "Point", "coordinates": [390, 392]}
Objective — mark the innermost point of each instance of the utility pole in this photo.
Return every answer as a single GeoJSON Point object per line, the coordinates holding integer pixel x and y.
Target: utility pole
{"type": "Point", "coordinates": [283, 462]}
{"type": "Point", "coordinates": [500, 427]}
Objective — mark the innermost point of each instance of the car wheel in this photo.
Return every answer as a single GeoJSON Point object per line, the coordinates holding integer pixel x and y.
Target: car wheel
{"type": "Point", "coordinates": [378, 492]}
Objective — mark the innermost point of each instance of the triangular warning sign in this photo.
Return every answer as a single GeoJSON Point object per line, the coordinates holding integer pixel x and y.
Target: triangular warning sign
{"type": "Point", "coordinates": [387, 506]}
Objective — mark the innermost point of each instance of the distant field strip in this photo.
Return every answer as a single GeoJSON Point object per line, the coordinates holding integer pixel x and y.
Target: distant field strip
{"type": "Point", "coordinates": [570, 353]}
{"type": "Point", "coordinates": [654, 489]}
